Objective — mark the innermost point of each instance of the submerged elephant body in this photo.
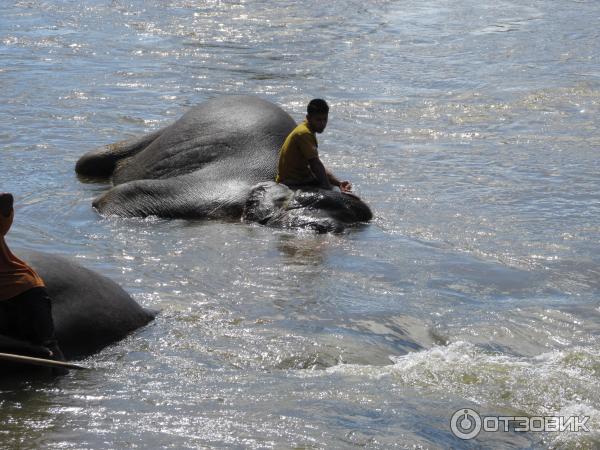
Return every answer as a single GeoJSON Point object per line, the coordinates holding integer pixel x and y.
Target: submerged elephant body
{"type": "Point", "coordinates": [89, 310]}
{"type": "Point", "coordinates": [209, 164]}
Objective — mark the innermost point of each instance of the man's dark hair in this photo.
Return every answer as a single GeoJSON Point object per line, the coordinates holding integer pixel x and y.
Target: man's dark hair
{"type": "Point", "coordinates": [317, 106]}
{"type": "Point", "coordinates": [6, 203]}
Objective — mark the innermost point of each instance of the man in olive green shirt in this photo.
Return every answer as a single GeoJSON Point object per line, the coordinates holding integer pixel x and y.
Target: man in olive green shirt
{"type": "Point", "coordinates": [299, 163]}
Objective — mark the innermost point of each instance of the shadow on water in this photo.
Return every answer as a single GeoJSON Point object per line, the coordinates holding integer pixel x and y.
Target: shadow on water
{"type": "Point", "coordinates": [307, 249]}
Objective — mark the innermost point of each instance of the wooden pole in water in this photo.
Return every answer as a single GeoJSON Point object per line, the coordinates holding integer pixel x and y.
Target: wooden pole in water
{"type": "Point", "coordinates": [39, 361]}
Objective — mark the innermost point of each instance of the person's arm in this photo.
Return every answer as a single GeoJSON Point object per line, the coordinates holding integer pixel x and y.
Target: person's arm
{"type": "Point", "coordinates": [318, 169]}
{"type": "Point", "coordinates": [326, 178]}
{"type": "Point", "coordinates": [345, 186]}
{"type": "Point", "coordinates": [6, 212]}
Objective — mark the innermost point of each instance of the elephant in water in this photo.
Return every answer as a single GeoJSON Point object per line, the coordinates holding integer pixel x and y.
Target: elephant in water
{"type": "Point", "coordinates": [89, 310]}
{"type": "Point", "coordinates": [217, 161]}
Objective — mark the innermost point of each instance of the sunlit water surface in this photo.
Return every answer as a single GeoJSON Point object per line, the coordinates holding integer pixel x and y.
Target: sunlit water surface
{"type": "Point", "coordinates": [471, 128]}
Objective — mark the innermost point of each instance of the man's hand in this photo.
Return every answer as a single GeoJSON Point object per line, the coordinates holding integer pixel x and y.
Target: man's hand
{"type": "Point", "coordinates": [345, 186]}
{"type": "Point", "coordinates": [6, 203]}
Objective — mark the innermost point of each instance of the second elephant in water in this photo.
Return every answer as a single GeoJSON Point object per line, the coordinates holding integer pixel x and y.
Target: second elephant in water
{"type": "Point", "coordinates": [217, 161]}
{"type": "Point", "coordinates": [89, 310]}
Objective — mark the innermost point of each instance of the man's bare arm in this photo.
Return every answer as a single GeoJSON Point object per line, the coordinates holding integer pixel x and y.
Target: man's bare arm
{"type": "Point", "coordinates": [344, 186]}
{"type": "Point", "coordinates": [332, 178]}
{"type": "Point", "coordinates": [318, 169]}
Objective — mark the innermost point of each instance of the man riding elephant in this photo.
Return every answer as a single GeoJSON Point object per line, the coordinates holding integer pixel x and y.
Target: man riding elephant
{"type": "Point", "coordinates": [219, 160]}
{"type": "Point", "coordinates": [53, 308]}
{"type": "Point", "coordinates": [25, 307]}
{"type": "Point", "coordinates": [299, 164]}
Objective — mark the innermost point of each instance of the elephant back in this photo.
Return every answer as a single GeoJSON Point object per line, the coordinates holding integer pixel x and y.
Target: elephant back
{"type": "Point", "coordinates": [231, 135]}
{"type": "Point", "coordinates": [89, 310]}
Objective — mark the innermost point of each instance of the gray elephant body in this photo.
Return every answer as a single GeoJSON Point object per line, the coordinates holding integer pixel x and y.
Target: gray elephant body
{"type": "Point", "coordinates": [208, 164]}
{"type": "Point", "coordinates": [89, 310]}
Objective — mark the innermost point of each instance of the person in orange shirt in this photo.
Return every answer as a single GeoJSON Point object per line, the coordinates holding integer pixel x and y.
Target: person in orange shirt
{"type": "Point", "coordinates": [299, 163]}
{"type": "Point", "coordinates": [25, 307]}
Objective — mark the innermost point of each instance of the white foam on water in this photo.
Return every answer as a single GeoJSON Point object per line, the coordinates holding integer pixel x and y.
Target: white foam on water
{"type": "Point", "coordinates": [559, 383]}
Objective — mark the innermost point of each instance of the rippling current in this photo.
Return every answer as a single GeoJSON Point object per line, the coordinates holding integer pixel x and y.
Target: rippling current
{"type": "Point", "coordinates": [470, 127]}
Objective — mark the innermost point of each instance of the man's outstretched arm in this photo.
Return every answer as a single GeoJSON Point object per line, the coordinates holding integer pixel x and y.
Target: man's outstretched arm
{"type": "Point", "coordinates": [318, 169]}
{"type": "Point", "coordinates": [344, 186]}
{"type": "Point", "coordinates": [326, 178]}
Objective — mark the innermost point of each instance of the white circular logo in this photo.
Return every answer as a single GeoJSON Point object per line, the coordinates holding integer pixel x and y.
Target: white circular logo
{"type": "Point", "coordinates": [465, 423]}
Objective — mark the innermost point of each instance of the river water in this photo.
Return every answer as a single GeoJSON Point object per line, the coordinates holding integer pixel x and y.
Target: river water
{"type": "Point", "coordinates": [470, 127]}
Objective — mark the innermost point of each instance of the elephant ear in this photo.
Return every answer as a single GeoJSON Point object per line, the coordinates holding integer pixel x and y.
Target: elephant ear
{"type": "Point", "coordinates": [89, 310]}
{"type": "Point", "coordinates": [266, 200]}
